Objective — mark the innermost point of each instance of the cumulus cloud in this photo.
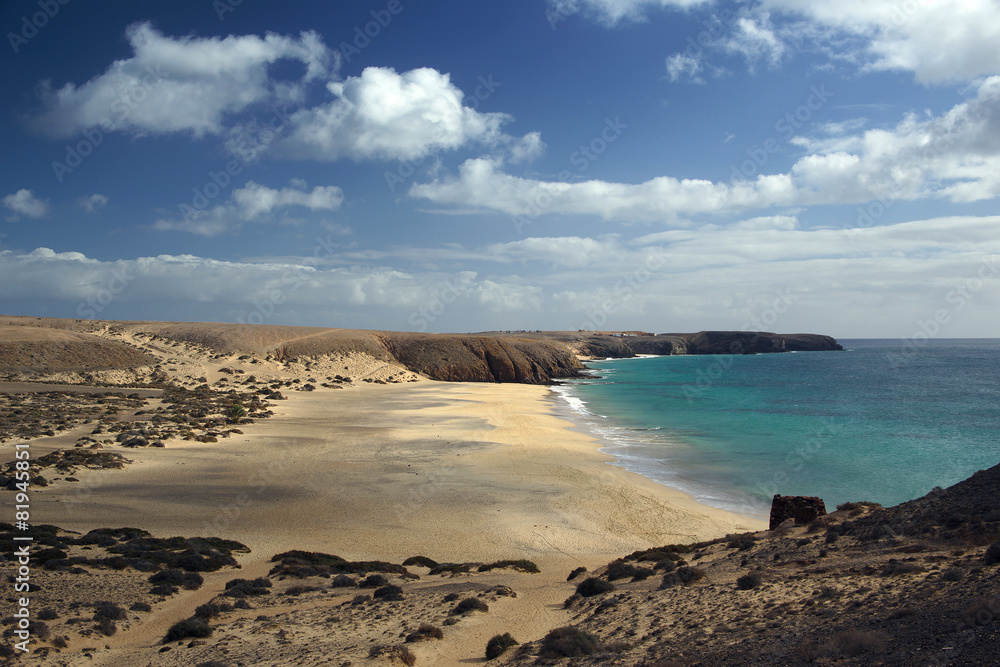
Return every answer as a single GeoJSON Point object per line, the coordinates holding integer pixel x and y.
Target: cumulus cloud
{"type": "Point", "coordinates": [93, 203]}
{"type": "Point", "coordinates": [955, 156]}
{"type": "Point", "coordinates": [382, 114]}
{"type": "Point", "coordinates": [186, 84]}
{"type": "Point", "coordinates": [252, 203]}
{"type": "Point", "coordinates": [24, 202]}
{"type": "Point", "coordinates": [480, 183]}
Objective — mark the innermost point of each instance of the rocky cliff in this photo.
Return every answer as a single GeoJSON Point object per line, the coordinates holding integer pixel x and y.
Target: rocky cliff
{"type": "Point", "coordinates": [462, 358]}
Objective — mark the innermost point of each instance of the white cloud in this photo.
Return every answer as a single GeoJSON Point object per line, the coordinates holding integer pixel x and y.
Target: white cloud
{"type": "Point", "coordinates": [24, 202]}
{"type": "Point", "coordinates": [565, 251]}
{"type": "Point", "coordinates": [682, 66]}
{"type": "Point", "coordinates": [481, 184]}
{"type": "Point", "coordinates": [938, 40]}
{"type": "Point", "coordinates": [613, 12]}
{"type": "Point", "coordinates": [93, 203]}
{"type": "Point", "coordinates": [252, 203]}
{"type": "Point", "coordinates": [188, 282]}
{"type": "Point", "coordinates": [526, 149]}
{"type": "Point", "coordinates": [386, 115]}
{"type": "Point", "coordinates": [879, 281]}
{"type": "Point", "coordinates": [186, 84]}
{"type": "Point", "coordinates": [754, 39]}
{"type": "Point", "coordinates": [955, 156]}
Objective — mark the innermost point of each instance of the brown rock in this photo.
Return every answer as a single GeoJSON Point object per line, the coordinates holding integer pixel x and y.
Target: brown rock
{"type": "Point", "coordinates": [802, 509]}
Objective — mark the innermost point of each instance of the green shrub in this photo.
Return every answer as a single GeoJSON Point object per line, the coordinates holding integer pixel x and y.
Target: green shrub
{"type": "Point", "coordinates": [496, 646]}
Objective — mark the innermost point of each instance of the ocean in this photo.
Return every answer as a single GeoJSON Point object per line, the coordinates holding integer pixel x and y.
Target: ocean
{"type": "Point", "coordinates": [884, 420]}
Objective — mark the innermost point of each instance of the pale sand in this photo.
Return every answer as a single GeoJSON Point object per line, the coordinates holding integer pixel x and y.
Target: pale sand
{"type": "Point", "coordinates": [446, 470]}
{"type": "Point", "coordinates": [455, 472]}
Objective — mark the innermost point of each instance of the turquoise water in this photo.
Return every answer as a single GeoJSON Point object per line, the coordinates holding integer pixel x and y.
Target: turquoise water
{"type": "Point", "coordinates": [875, 422]}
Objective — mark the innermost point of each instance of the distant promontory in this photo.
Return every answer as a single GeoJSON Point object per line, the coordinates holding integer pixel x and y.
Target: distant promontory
{"type": "Point", "coordinates": [45, 345]}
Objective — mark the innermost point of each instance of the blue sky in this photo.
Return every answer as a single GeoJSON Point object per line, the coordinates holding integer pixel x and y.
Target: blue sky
{"type": "Point", "coordinates": [666, 165]}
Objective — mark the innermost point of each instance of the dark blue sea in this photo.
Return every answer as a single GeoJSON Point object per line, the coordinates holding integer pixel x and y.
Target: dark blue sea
{"type": "Point", "coordinates": [880, 421]}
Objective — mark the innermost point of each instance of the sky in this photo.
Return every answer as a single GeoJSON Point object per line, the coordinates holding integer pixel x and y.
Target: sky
{"type": "Point", "coordinates": [656, 165]}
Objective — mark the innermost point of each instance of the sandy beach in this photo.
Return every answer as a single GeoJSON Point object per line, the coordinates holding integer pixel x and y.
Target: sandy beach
{"type": "Point", "coordinates": [394, 471]}
{"type": "Point", "coordinates": [452, 471]}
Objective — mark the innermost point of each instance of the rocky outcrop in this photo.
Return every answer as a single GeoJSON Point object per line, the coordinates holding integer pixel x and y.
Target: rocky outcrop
{"type": "Point", "coordinates": [747, 342]}
{"type": "Point", "coordinates": [461, 358]}
{"type": "Point", "coordinates": [802, 509]}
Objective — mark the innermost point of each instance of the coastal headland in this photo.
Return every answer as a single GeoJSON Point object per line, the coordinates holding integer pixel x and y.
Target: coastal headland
{"type": "Point", "coordinates": [291, 495]}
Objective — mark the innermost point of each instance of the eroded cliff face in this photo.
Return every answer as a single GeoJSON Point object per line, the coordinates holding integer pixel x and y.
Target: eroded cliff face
{"type": "Point", "coordinates": [703, 342]}
{"type": "Point", "coordinates": [483, 358]}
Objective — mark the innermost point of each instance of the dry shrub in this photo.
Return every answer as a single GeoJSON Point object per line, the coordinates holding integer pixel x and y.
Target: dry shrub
{"type": "Point", "coordinates": [593, 586]}
{"type": "Point", "coordinates": [749, 581]}
{"type": "Point", "coordinates": [400, 653]}
{"type": "Point", "coordinates": [467, 605]}
{"type": "Point", "coordinates": [424, 633]}
{"type": "Point", "coordinates": [992, 555]}
{"type": "Point", "coordinates": [568, 642]}
{"type": "Point", "coordinates": [498, 644]}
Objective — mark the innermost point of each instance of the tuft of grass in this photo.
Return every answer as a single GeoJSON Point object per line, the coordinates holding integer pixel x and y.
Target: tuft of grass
{"type": "Point", "coordinates": [497, 644]}
{"type": "Point", "coordinates": [400, 653]}
{"type": "Point", "coordinates": [425, 632]}
{"type": "Point", "coordinates": [592, 586]}
{"type": "Point", "coordinates": [569, 642]}
{"type": "Point", "coordinates": [857, 505]}
{"type": "Point", "coordinates": [467, 605]}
